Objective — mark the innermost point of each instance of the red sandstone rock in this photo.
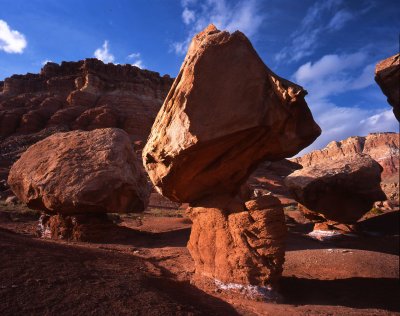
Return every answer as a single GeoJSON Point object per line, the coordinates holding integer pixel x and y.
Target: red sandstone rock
{"type": "Point", "coordinates": [225, 113]}
{"type": "Point", "coordinates": [81, 172]}
{"type": "Point", "coordinates": [387, 75]}
{"type": "Point", "coordinates": [342, 190]}
{"type": "Point", "coordinates": [235, 245]}
{"type": "Point", "coordinates": [82, 227]}
{"type": "Point", "coordinates": [382, 147]}
{"type": "Point", "coordinates": [79, 95]}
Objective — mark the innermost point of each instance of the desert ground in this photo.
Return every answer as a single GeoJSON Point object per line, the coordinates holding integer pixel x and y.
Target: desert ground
{"type": "Point", "coordinates": [144, 268]}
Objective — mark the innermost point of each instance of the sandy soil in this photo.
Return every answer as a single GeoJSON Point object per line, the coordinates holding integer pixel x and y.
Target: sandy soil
{"type": "Point", "coordinates": [145, 269]}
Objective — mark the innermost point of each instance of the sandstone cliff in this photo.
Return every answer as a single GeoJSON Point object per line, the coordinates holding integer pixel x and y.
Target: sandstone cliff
{"type": "Point", "coordinates": [84, 95]}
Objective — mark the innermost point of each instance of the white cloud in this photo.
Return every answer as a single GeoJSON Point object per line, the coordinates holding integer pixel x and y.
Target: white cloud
{"type": "Point", "coordinates": [103, 53]}
{"type": "Point", "coordinates": [225, 15]}
{"type": "Point", "coordinates": [316, 22]}
{"type": "Point", "coordinates": [188, 16]}
{"type": "Point", "coordinates": [333, 75]}
{"type": "Point", "coordinates": [133, 56]}
{"type": "Point", "coordinates": [136, 60]}
{"type": "Point", "coordinates": [44, 62]}
{"type": "Point", "coordinates": [11, 41]}
{"type": "Point", "coordinates": [340, 19]}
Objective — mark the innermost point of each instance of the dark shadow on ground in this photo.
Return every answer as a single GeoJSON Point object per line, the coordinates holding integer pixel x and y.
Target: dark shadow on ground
{"type": "Point", "coordinates": [352, 292]}
{"type": "Point", "coordinates": [49, 278]}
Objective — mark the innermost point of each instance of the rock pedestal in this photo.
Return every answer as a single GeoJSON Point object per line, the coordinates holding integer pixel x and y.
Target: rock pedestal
{"type": "Point", "coordinates": [81, 227]}
{"type": "Point", "coordinates": [234, 244]}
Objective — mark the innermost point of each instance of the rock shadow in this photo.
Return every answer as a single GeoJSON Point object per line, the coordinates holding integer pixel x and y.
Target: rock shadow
{"type": "Point", "coordinates": [382, 293]}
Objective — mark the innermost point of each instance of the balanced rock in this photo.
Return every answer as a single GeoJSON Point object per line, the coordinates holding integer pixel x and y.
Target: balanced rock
{"type": "Point", "coordinates": [238, 244]}
{"type": "Point", "coordinates": [81, 172]}
{"type": "Point", "coordinates": [384, 148]}
{"type": "Point", "coordinates": [387, 75]}
{"type": "Point", "coordinates": [225, 113]}
{"type": "Point", "coordinates": [341, 190]}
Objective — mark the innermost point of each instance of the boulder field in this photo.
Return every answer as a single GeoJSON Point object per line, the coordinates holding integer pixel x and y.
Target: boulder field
{"type": "Point", "coordinates": [225, 113]}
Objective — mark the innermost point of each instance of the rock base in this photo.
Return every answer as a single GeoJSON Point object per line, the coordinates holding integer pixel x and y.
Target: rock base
{"type": "Point", "coordinates": [239, 244]}
{"type": "Point", "coordinates": [81, 227]}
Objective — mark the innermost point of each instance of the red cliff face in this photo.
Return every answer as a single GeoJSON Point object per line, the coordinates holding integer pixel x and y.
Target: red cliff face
{"type": "Point", "coordinates": [382, 147]}
{"type": "Point", "coordinates": [82, 95]}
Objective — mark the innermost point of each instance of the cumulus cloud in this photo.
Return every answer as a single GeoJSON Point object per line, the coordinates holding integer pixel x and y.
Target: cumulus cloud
{"type": "Point", "coordinates": [243, 15]}
{"type": "Point", "coordinates": [333, 75]}
{"type": "Point", "coordinates": [11, 41]}
{"type": "Point", "coordinates": [136, 60]}
{"type": "Point", "coordinates": [323, 16]}
{"type": "Point", "coordinates": [104, 54]}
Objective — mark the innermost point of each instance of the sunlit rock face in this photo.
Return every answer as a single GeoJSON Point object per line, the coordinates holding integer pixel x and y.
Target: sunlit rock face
{"type": "Point", "coordinates": [225, 113]}
{"type": "Point", "coordinates": [387, 75]}
{"type": "Point", "coordinates": [81, 172]}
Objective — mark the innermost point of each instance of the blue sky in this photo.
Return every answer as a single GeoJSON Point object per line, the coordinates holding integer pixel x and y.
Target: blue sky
{"type": "Point", "coordinates": [328, 46]}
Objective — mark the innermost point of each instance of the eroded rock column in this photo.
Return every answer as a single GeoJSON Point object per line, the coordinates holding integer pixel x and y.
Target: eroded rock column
{"type": "Point", "coordinates": [239, 244]}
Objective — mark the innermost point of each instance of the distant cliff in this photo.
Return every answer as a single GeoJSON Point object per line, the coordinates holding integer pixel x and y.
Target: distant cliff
{"type": "Point", "coordinates": [85, 95]}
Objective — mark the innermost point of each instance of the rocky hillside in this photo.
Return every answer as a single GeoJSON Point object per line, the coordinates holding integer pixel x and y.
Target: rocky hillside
{"type": "Point", "coordinates": [86, 95]}
{"type": "Point", "coordinates": [382, 147]}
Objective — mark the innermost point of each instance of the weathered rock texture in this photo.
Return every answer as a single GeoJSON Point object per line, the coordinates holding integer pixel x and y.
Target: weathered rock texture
{"type": "Point", "coordinates": [382, 147]}
{"type": "Point", "coordinates": [225, 113]}
{"type": "Point", "coordinates": [387, 75]}
{"type": "Point", "coordinates": [81, 172]}
{"type": "Point", "coordinates": [341, 190]}
{"type": "Point", "coordinates": [76, 95]}
{"type": "Point", "coordinates": [80, 227]}
{"type": "Point", "coordinates": [236, 243]}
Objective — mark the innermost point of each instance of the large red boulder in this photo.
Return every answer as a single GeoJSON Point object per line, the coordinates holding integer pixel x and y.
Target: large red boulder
{"type": "Point", "coordinates": [81, 172]}
{"type": "Point", "coordinates": [341, 190]}
{"type": "Point", "coordinates": [225, 113]}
